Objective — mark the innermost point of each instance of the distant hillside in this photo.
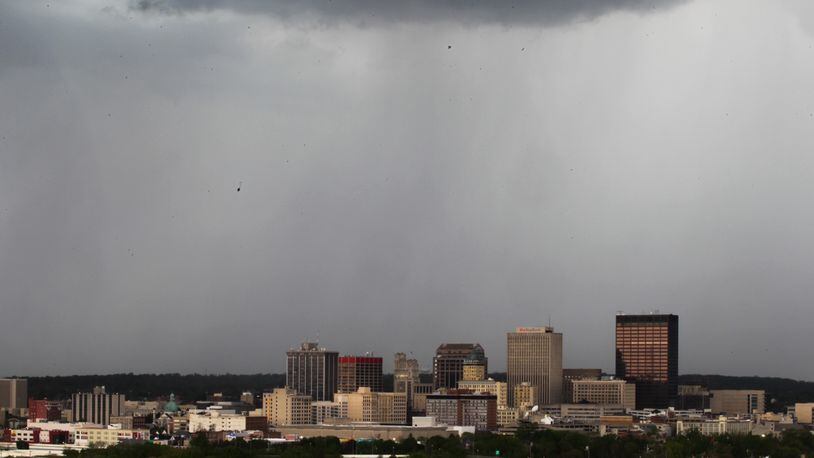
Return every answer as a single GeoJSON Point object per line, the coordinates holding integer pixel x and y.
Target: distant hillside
{"type": "Point", "coordinates": [783, 391]}
{"type": "Point", "coordinates": [188, 387]}
{"type": "Point", "coordinates": [192, 387]}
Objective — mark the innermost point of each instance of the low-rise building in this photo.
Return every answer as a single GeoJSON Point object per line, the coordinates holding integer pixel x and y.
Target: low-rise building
{"type": "Point", "coordinates": [367, 406]}
{"type": "Point", "coordinates": [803, 412]}
{"type": "Point", "coordinates": [613, 392]}
{"type": "Point", "coordinates": [106, 437]}
{"type": "Point", "coordinates": [364, 431]}
{"type": "Point", "coordinates": [737, 402]}
{"type": "Point", "coordinates": [716, 426]}
{"type": "Point", "coordinates": [584, 413]}
{"type": "Point", "coordinates": [463, 408]}
{"type": "Point", "coordinates": [284, 406]}
{"type": "Point", "coordinates": [213, 420]}
{"type": "Point", "coordinates": [569, 375]}
{"type": "Point", "coordinates": [489, 386]}
{"type": "Point", "coordinates": [420, 391]}
{"type": "Point", "coordinates": [615, 424]}
{"type": "Point", "coordinates": [322, 411]}
{"type": "Point", "coordinates": [692, 397]}
{"type": "Point", "coordinates": [525, 395]}
{"type": "Point", "coordinates": [507, 416]}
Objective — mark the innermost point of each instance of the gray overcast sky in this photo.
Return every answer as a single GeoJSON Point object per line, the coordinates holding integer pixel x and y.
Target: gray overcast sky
{"type": "Point", "coordinates": [563, 158]}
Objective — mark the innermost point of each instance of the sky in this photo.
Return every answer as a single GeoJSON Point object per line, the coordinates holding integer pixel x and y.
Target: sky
{"type": "Point", "coordinates": [196, 186]}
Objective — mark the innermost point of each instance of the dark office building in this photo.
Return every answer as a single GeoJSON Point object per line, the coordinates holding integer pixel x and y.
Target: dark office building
{"type": "Point", "coordinates": [311, 370]}
{"type": "Point", "coordinates": [360, 371]}
{"type": "Point", "coordinates": [647, 355]}
{"type": "Point", "coordinates": [448, 363]}
{"type": "Point", "coordinates": [692, 397]}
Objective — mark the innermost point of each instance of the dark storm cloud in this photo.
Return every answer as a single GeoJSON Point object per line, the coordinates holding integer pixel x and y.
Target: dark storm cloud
{"type": "Point", "coordinates": [397, 194]}
{"type": "Point", "coordinates": [541, 12]}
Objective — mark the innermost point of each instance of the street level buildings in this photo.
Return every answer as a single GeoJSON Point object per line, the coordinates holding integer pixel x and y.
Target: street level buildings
{"type": "Point", "coordinates": [617, 392]}
{"type": "Point", "coordinates": [490, 386]}
{"type": "Point", "coordinates": [737, 402]}
{"type": "Point", "coordinates": [525, 395]}
{"type": "Point", "coordinates": [367, 406]}
{"type": "Point", "coordinates": [461, 408]}
{"type": "Point", "coordinates": [284, 406]}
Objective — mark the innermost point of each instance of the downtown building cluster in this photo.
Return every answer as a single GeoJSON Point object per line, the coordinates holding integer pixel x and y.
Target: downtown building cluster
{"type": "Point", "coordinates": [328, 394]}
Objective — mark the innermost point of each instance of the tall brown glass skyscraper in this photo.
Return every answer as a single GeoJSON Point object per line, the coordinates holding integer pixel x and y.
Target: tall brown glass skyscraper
{"type": "Point", "coordinates": [360, 371]}
{"type": "Point", "coordinates": [647, 355]}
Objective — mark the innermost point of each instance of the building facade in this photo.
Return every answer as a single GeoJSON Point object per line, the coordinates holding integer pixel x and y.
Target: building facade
{"type": "Point", "coordinates": [96, 407]}
{"type": "Point", "coordinates": [569, 375]}
{"type": "Point", "coordinates": [370, 407]}
{"type": "Point", "coordinates": [212, 420]}
{"type": "Point", "coordinates": [692, 397]}
{"type": "Point", "coordinates": [525, 395]}
{"type": "Point", "coordinates": [284, 406]}
{"type": "Point", "coordinates": [13, 393]}
{"type": "Point", "coordinates": [737, 402]}
{"type": "Point", "coordinates": [459, 408]}
{"type": "Point", "coordinates": [312, 371]}
{"type": "Point", "coordinates": [489, 386]}
{"type": "Point", "coordinates": [326, 411]}
{"type": "Point", "coordinates": [360, 371]}
{"type": "Point", "coordinates": [617, 392]}
{"type": "Point", "coordinates": [535, 357]}
{"type": "Point", "coordinates": [43, 409]}
{"type": "Point", "coordinates": [647, 355]}
{"type": "Point", "coordinates": [448, 363]}
{"type": "Point", "coordinates": [804, 412]}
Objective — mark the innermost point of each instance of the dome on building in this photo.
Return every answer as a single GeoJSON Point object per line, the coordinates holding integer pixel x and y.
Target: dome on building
{"type": "Point", "coordinates": [171, 406]}
{"type": "Point", "coordinates": [476, 357]}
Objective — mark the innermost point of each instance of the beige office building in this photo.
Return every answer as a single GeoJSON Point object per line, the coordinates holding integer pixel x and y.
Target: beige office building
{"type": "Point", "coordinates": [735, 402]}
{"type": "Point", "coordinates": [420, 392]}
{"type": "Point", "coordinates": [535, 357]}
{"type": "Point", "coordinates": [804, 411]}
{"type": "Point", "coordinates": [13, 393]}
{"type": "Point", "coordinates": [490, 386]}
{"type": "Point", "coordinates": [569, 375]}
{"type": "Point", "coordinates": [474, 371]}
{"type": "Point", "coordinates": [525, 395]}
{"type": "Point", "coordinates": [368, 406]}
{"type": "Point", "coordinates": [604, 392]}
{"type": "Point", "coordinates": [284, 406]}
{"type": "Point", "coordinates": [507, 416]}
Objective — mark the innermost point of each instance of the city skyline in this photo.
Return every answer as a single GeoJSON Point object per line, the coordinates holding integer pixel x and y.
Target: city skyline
{"type": "Point", "coordinates": [187, 185]}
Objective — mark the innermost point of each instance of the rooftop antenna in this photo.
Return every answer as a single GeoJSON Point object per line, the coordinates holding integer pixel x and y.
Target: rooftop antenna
{"type": "Point", "coordinates": [549, 320]}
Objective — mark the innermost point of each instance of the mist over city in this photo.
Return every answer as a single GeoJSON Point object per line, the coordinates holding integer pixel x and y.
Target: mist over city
{"type": "Point", "coordinates": [464, 194]}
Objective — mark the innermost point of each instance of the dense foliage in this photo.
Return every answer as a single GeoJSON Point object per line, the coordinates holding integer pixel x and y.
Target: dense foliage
{"type": "Point", "coordinates": [527, 443]}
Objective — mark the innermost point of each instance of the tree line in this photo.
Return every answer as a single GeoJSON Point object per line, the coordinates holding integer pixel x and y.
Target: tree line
{"type": "Point", "coordinates": [528, 442]}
